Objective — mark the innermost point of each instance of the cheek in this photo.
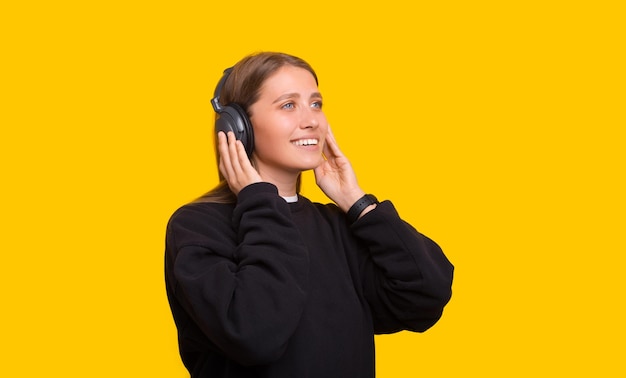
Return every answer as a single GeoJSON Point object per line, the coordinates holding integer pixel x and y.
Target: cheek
{"type": "Point", "coordinates": [267, 139]}
{"type": "Point", "coordinates": [272, 129]}
{"type": "Point", "coordinates": [260, 131]}
{"type": "Point", "coordinates": [324, 126]}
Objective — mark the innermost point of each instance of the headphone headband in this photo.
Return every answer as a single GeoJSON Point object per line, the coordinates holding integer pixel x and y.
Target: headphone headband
{"type": "Point", "coordinates": [215, 101]}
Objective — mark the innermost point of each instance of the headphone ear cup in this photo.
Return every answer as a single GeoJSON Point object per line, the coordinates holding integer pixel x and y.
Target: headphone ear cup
{"type": "Point", "coordinates": [234, 118]}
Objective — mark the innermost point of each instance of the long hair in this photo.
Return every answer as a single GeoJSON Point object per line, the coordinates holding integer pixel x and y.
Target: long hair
{"type": "Point", "coordinates": [243, 87]}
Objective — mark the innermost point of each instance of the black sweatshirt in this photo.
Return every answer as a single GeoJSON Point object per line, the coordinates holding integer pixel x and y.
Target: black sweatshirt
{"type": "Point", "coordinates": [266, 288]}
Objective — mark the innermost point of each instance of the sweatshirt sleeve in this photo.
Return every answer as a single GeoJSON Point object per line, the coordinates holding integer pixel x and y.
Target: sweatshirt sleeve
{"type": "Point", "coordinates": [406, 277]}
{"type": "Point", "coordinates": [242, 280]}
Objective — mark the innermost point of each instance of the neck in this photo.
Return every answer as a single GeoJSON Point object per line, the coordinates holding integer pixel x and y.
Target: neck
{"type": "Point", "coordinates": [286, 184]}
{"type": "Point", "coordinates": [285, 190]}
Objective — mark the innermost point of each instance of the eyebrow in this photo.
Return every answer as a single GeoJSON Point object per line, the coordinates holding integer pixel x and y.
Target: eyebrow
{"type": "Point", "coordinates": [296, 95]}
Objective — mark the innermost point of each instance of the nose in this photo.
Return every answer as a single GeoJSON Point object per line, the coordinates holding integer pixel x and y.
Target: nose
{"type": "Point", "coordinates": [310, 118]}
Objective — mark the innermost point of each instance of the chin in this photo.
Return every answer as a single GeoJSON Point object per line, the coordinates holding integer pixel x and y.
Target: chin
{"type": "Point", "coordinates": [304, 168]}
{"type": "Point", "coordinates": [313, 164]}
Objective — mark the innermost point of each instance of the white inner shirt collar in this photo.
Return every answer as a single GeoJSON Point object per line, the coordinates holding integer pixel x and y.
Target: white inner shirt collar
{"type": "Point", "coordinates": [291, 199]}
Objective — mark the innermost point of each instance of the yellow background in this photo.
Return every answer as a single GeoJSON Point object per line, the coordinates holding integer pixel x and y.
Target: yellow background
{"type": "Point", "coordinates": [496, 128]}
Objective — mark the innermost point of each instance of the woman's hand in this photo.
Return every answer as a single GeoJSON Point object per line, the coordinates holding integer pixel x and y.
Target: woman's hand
{"type": "Point", "coordinates": [336, 177]}
{"type": "Point", "coordinates": [234, 163]}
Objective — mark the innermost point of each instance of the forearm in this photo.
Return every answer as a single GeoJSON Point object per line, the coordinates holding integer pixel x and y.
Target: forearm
{"type": "Point", "coordinates": [407, 277]}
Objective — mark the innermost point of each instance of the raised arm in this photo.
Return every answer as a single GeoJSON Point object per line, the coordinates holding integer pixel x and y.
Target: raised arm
{"type": "Point", "coordinates": [241, 275]}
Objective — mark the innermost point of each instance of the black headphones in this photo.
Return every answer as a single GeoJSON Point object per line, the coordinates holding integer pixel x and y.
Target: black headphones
{"type": "Point", "coordinates": [232, 117]}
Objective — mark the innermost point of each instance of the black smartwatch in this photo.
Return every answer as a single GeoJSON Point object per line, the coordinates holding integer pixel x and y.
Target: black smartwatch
{"type": "Point", "coordinates": [360, 205]}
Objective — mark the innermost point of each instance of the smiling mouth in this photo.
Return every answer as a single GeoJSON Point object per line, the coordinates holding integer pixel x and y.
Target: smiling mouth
{"type": "Point", "coordinates": [305, 142]}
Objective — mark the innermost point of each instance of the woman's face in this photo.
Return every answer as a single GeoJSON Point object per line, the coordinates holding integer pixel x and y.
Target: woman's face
{"type": "Point", "coordinates": [289, 124]}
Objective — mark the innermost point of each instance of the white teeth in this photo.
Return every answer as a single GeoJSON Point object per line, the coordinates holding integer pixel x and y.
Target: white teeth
{"type": "Point", "coordinates": [305, 142]}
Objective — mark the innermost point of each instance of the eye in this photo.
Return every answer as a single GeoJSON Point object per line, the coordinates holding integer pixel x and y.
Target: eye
{"type": "Point", "coordinates": [288, 105]}
{"type": "Point", "coordinates": [317, 104]}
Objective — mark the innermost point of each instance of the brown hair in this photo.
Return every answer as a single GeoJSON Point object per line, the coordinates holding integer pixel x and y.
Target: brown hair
{"type": "Point", "coordinates": [243, 87]}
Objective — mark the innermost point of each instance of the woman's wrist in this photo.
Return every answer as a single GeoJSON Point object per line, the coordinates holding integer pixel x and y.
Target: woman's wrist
{"type": "Point", "coordinates": [362, 206]}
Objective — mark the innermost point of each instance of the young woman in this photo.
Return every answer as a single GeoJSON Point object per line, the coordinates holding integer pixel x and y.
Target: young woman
{"type": "Point", "coordinates": [263, 282]}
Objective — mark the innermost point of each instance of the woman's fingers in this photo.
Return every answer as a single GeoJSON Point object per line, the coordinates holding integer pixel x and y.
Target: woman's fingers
{"type": "Point", "coordinates": [224, 165]}
{"type": "Point", "coordinates": [234, 163]}
{"type": "Point", "coordinates": [331, 148]}
{"type": "Point", "coordinates": [233, 152]}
